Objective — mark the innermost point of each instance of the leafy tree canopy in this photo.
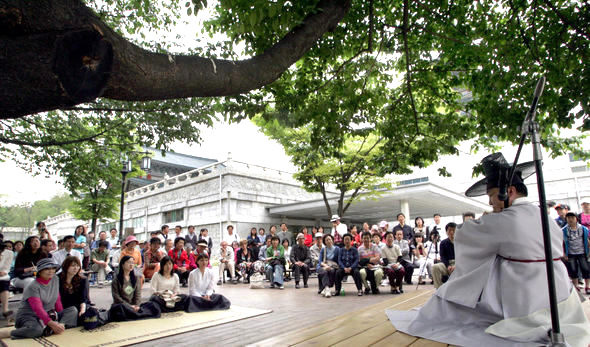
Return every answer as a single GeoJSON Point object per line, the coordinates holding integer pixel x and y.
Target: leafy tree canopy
{"type": "Point", "coordinates": [26, 216]}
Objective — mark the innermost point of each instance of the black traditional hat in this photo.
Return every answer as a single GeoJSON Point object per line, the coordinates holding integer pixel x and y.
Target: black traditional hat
{"type": "Point", "coordinates": [494, 166]}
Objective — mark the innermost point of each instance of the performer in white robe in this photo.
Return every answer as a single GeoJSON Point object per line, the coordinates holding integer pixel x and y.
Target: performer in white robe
{"type": "Point", "coordinates": [497, 295]}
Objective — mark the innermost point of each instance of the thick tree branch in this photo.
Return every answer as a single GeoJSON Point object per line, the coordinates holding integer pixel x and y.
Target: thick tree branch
{"type": "Point", "coordinates": [52, 66]}
{"type": "Point", "coordinates": [408, 71]}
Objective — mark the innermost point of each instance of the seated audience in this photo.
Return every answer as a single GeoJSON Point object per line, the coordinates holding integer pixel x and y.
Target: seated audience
{"type": "Point", "coordinates": [300, 260]}
{"type": "Point", "coordinates": [6, 257]}
{"type": "Point", "coordinates": [130, 249]}
{"type": "Point", "coordinates": [204, 235]}
{"type": "Point", "coordinates": [47, 246]}
{"type": "Point", "coordinates": [26, 261]}
{"type": "Point", "coordinates": [315, 250]}
{"type": "Point", "coordinates": [125, 286]}
{"type": "Point", "coordinates": [246, 260]}
{"type": "Point", "coordinates": [275, 263]}
{"type": "Point", "coordinates": [355, 235]}
{"type": "Point", "coordinates": [181, 260]}
{"type": "Point", "coordinates": [260, 264]}
{"type": "Point", "coordinates": [226, 261]}
{"type": "Point", "coordinates": [370, 258]}
{"type": "Point", "coordinates": [73, 287]}
{"type": "Point", "coordinates": [432, 249]}
{"type": "Point", "coordinates": [348, 261]}
{"type": "Point", "coordinates": [168, 245]}
{"type": "Point", "coordinates": [447, 256]}
{"type": "Point", "coordinates": [152, 258]}
{"type": "Point", "coordinates": [420, 259]}
{"type": "Point", "coordinates": [202, 249]}
{"type": "Point", "coordinates": [68, 250]}
{"type": "Point", "coordinates": [394, 271]}
{"type": "Point", "coordinates": [286, 245]}
{"type": "Point", "coordinates": [102, 236]}
{"type": "Point", "coordinates": [165, 287]}
{"type": "Point", "coordinates": [201, 288]}
{"type": "Point", "coordinates": [327, 266]}
{"type": "Point", "coordinates": [253, 236]}
{"type": "Point", "coordinates": [308, 237]}
{"type": "Point", "coordinates": [99, 262]}
{"type": "Point", "coordinates": [41, 305]}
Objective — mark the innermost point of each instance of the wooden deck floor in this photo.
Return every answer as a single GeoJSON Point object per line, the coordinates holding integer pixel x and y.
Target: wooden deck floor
{"type": "Point", "coordinates": [365, 327]}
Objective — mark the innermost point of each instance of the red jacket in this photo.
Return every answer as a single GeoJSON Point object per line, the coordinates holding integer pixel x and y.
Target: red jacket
{"type": "Point", "coordinates": [179, 261]}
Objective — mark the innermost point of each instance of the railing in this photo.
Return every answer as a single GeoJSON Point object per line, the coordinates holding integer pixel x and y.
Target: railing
{"type": "Point", "coordinates": [214, 169]}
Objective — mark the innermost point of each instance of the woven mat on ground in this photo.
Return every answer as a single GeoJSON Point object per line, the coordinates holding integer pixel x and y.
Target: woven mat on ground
{"type": "Point", "coordinates": [126, 333]}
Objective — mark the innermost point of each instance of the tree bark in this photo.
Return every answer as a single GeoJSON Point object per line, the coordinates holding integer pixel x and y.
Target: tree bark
{"type": "Point", "coordinates": [57, 53]}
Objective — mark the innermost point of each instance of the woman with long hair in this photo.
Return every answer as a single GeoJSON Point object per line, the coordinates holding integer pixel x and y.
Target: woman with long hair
{"type": "Point", "coordinates": [419, 226]}
{"type": "Point", "coordinates": [245, 260]}
{"type": "Point", "coordinates": [165, 287]}
{"type": "Point", "coordinates": [125, 286]}
{"type": "Point", "coordinates": [73, 285]}
{"type": "Point", "coordinates": [26, 261]}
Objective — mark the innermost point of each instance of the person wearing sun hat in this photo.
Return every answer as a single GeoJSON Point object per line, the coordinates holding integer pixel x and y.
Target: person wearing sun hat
{"type": "Point", "coordinates": [498, 290]}
{"type": "Point", "coordinates": [40, 312]}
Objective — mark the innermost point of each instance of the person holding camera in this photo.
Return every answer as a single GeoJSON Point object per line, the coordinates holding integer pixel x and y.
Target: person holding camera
{"type": "Point", "coordinates": [43, 232]}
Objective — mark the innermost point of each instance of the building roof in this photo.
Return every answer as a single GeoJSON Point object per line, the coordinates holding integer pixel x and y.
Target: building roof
{"type": "Point", "coordinates": [424, 199]}
{"type": "Point", "coordinates": [180, 159]}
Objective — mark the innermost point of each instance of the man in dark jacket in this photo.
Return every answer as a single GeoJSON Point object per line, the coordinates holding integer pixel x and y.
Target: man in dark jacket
{"type": "Point", "coordinates": [301, 260]}
{"type": "Point", "coordinates": [447, 257]}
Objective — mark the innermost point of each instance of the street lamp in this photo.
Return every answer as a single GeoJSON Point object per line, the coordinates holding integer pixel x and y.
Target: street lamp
{"type": "Point", "coordinates": [126, 167]}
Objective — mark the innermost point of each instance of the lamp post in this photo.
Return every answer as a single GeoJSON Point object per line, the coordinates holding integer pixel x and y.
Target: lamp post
{"type": "Point", "coordinates": [126, 167]}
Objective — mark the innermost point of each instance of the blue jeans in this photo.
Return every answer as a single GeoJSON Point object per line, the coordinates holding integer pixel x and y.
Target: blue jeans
{"type": "Point", "coordinates": [275, 273]}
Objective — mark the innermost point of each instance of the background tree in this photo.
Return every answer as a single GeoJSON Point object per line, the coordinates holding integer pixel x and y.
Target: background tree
{"type": "Point", "coordinates": [25, 215]}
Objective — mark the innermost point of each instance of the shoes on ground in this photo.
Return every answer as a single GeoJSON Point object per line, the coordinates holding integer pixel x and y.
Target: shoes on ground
{"type": "Point", "coordinates": [305, 285]}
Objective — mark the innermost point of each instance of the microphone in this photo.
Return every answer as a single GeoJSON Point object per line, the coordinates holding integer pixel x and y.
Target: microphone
{"type": "Point", "coordinates": [538, 91]}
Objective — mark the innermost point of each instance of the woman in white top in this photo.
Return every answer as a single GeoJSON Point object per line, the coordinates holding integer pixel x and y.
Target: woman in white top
{"type": "Point", "coordinates": [201, 289]}
{"type": "Point", "coordinates": [165, 288]}
{"type": "Point", "coordinates": [165, 279]}
{"type": "Point", "coordinates": [5, 264]}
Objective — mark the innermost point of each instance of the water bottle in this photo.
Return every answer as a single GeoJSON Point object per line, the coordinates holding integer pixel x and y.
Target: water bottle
{"type": "Point", "coordinates": [342, 292]}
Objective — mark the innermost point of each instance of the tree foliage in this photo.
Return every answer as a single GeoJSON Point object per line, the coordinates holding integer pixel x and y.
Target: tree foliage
{"type": "Point", "coordinates": [418, 76]}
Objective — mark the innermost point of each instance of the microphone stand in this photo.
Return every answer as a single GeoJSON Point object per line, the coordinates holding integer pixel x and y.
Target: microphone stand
{"type": "Point", "coordinates": [531, 127]}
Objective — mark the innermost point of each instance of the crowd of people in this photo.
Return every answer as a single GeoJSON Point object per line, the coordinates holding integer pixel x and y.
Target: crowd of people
{"type": "Point", "coordinates": [55, 276]}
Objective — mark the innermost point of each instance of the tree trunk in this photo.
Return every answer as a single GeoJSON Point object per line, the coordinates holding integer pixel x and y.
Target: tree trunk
{"type": "Point", "coordinates": [57, 53]}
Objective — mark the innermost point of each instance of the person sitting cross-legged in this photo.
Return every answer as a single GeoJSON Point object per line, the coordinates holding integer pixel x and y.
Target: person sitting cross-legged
{"type": "Point", "coordinates": [300, 260]}
{"type": "Point", "coordinates": [201, 289]}
{"type": "Point", "coordinates": [41, 306]}
{"type": "Point", "coordinates": [447, 256]}
{"type": "Point", "coordinates": [370, 259]}
{"type": "Point", "coordinates": [348, 261]}
{"type": "Point", "coordinates": [275, 263]}
{"type": "Point", "coordinates": [395, 272]}
{"type": "Point", "coordinates": [165, 287]}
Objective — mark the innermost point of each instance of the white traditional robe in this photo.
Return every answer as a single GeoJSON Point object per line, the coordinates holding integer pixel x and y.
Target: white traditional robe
{"type": "Point", "coordinates": [489, 296]}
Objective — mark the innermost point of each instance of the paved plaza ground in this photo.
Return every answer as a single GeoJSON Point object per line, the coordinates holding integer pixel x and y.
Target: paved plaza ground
{"type": "Point", "coordinates": [292, 309]}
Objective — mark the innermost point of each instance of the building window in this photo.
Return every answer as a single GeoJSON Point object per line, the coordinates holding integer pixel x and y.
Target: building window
{"type": "Point", "coordinates": [135, 223]}
{"type": "Point", "coordinates": [577, 169]}
{"type": "Point", "coordinates": [173, 216]}
{"type": "Point", "coordinates": [108, 226]}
